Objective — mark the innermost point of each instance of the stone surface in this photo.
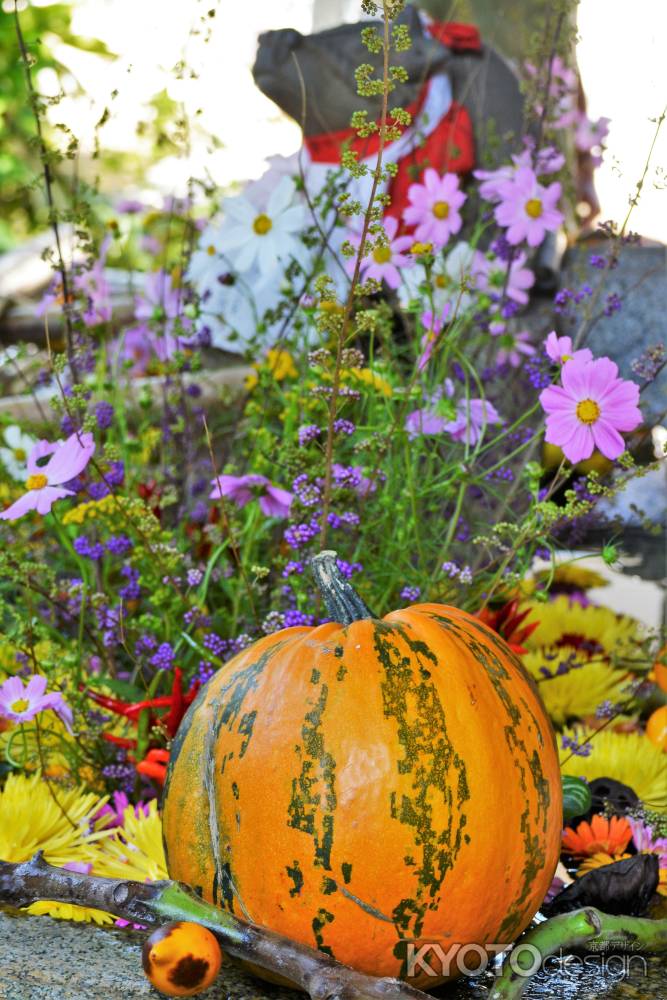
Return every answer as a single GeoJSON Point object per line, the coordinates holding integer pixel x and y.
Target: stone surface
{"type": "Point", "coordinates": [641, 282]}
{"type": "Point", "coordinates": [44, 959]}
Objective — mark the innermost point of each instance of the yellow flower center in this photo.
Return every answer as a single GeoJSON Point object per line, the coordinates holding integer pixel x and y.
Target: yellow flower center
{"type": "Point", "coordinates": [382, 255]}
{"type": "Point", "coordinates": [37, 482]}
{"type": "Point", "coordinates": [19, 454]}
{"type": "Point", "coordinates": [262, 225]}
{"type": "Point", "coordinates": [210, 249]}
{"type": "Point", "coordinates": [440, 281]}
{"type": "Point", "coordinates": [588, 411]}
{"type": "Point", "coordinates": [20, 706]}
{"type": "Point", "coordinates": [534, 208]}
{"type": "Point", "coordinates": [441, 210]}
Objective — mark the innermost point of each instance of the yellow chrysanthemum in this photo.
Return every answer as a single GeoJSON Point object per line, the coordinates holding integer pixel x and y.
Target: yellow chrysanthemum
{"type": "Point", "coordinates": [136, 850]}
{"type": "Point", "coordinates": [572, 575]}
{"type": "Point", "coordinates": [579, 692]}
{"type": "Point", "coordinates": [629, 758]}
{"type": "Point", "coordinates": [595, 627]}
{"type": "Point", "coordinates": [34, 817]}
{"type": "Point", "coordinates": [55, 821]}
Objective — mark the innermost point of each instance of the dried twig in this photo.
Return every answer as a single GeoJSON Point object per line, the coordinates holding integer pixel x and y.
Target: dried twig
{"type": "Point", "coordinates": [156, 903]}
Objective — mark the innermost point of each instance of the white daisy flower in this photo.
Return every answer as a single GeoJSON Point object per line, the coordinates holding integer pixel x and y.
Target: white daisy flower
{"type": "Point", "coordinates": [267, 239]}
{"type": "Point", "coordinates": [14, 454]}
{"type": "Point", "coordinates": [447, 275]}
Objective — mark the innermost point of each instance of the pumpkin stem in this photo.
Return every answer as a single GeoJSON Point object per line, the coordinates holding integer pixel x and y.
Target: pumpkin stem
{"type": "Point", "coordinates": [341, 599]}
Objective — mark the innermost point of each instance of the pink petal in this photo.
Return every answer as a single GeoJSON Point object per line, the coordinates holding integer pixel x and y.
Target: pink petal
{"type": "Point", "coordinates": [20, 507]}
{"type": "Point", "coordinates": [554, 398]}
{"type": "Point", "coordinates": [607, 439]}
{"type": "Point", "coordinates": [431, 180]}
{"type": "Point", "coordinates": [40, 450]}
{"type": "Point", "coordinates": [580, 446]}
{"type": "Point", "coordinates": [48, 496]}
{"type": "Point", "coordinates": [575, 376]}
{"type": "Point", "coordinates": [35, 687]}
{"type": "Point", "coordinates": [602, 374]}
{"type": "Point", "coordinates": [70, 458]}
{"type": "Point", "coordinates": [418, 195]}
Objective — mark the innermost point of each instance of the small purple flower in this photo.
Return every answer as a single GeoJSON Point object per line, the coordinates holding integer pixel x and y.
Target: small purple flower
{"type": "Point", "coordinates": [293, 567]}
{"type": "Point", "coordinates": [83, 547]}
{"type": "Point", "coordinates": [344, 427]}
{"type": "Point", "coordinates": [104, 415]}
{"type": "Point", "coordinates": [131, 591]}
{"type": "Point", "coordinates": [119, 545]}
{"type": "Point", "coordinates": [273, 501]}
{"type": "Point", "coordinates": [451, 569]}
{"type": "Point", "coordinates": [308, 433]}
{"type": "Point", "coordinates": [410, 594]}
{"type": "Point", "coordinates": [598, 262]}
{"type": "Point", "coordinates": [298, 535]}
{"type": "Point", "coordinates": [612, 305]}
{"type": "Point", "coordinates": [163, 658]}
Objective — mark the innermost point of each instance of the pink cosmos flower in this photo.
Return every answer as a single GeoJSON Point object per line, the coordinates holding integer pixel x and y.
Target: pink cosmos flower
{"type": "Point", "coordinates": [548, 160]}
{"type": "Point", "coordinates": [44, 482]}
{"type": "Point", "coordinates": [21, 704]}
{"type": "Point", "coordinates": [273, 501]}
{"type": "Point", "coordinates": [514, 347]}
{"type": "Point", "coordinates": [425, 422]}
{"type": "Point", "coordinates": [472, 418]}
{"type": "Point", "coordinates": [434, 326]}
{"type": "Point", "coordinates": [527, 209]}
{"type": "Point", "coordinates": [432, 418]}
{"type": "Point", "coordinates": [434, 207]}
{"type": "Point", "coordinates": [590, 135]}
{"type": "Point", "coordinates": [384, 262]}
{"type": "Point", "coordinates": [590, 409]}
{"type": "Point", "coordinates": [491, 276]}
{"type": "Point", "coordinates": [645, 840]}
{"type": "Point", "coordinates": [560, 350]}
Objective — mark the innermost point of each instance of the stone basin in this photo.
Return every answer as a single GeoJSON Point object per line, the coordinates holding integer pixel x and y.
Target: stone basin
{"type": "Point", "coordinates": [45, 959]}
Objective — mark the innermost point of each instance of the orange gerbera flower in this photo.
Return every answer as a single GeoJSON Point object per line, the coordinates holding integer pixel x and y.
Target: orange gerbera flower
{"type": "Point", "coordinates": [601, 835]}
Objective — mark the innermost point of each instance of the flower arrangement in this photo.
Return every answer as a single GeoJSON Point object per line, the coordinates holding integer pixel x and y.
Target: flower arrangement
{"type": "Point", "coordinates": [400, 397]}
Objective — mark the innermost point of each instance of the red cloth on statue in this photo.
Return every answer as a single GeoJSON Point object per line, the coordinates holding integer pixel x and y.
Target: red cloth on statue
{"type": "Point", "coordinates": [450, 147]}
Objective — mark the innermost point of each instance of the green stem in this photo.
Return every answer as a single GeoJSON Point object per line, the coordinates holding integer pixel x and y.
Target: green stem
{"type": "Point", "coordinates": [340, 598]}
{"type": "Point", "coordinates": [582, 930]}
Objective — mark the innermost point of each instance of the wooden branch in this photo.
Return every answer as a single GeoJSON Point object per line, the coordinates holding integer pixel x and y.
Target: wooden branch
{"type": "Point", "coordinates": [587, 930]}
{"type": "Point", "coordinates": [156, 903]}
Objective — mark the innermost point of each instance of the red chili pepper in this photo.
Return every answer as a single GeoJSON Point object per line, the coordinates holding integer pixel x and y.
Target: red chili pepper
{"type": "Point", "coordinates": [154, 765]}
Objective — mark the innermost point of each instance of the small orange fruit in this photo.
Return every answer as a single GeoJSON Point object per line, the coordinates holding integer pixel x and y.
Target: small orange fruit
{"type": "Point", "coordinates": [660, 669]}
{"type": "Point", "coordinates": [656, 727]}
{"type": "Point", "coordinates": [181, 959]}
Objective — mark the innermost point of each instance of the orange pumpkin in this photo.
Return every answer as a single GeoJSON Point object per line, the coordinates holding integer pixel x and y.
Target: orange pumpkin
{"type": "Point", "coordinates": [181, 959]}
{"type": "Point", "coordinates": [369, 785]}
